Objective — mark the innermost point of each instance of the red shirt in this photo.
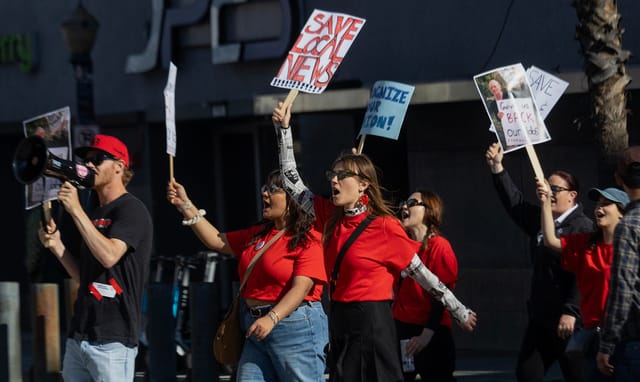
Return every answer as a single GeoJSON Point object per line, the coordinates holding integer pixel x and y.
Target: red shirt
{"type": "Point", "coordinates": [272, 275]}
{"type": "Point", "coordinates": [375, 259]}
{"type": "Point", "coordinates": [413, 304]}
{"type": "Point", "coordinates": [592, 266]}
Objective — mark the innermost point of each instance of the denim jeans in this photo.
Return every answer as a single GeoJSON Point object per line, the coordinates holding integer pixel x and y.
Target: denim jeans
{"type": "Point", "coordinates": [626, 362]}
{"type": "Point", "coordinates": [87, 361]}
{"type": "Point", "coordinates": [293, 351]}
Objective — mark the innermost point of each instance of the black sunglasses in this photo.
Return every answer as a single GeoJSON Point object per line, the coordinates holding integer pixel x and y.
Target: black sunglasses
{"type": "Point", "coordinates": [555, 189]}
{"type": "Point", "coordinates": [270, 189]}
{"type": "Point", "coordinates": [411, 203]}
{"type": "Point", "coordinates": [98, 158]}
{"type": "Point", "coordinates": [342, 174]}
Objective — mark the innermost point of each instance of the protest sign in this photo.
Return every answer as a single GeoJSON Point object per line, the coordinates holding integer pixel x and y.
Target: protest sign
{"type": "Point", "coordinates": [170, 109]}
{"type": "Point", "coordinates": [322, 45]}
{"type": "Point", "coordinates": [519, 122]}
{"type": "Point", "coordinates": [511, 107]}
{"type": "Point", "coordinates": [509, 102]}
{"type": "Point", "coordinates": [387, 107]}
{"type": "Point", "coordinates": [170, 115]}
{"type": "Point", "coordinates": [546, 90]}
{"type": "Point", "coordinates": [54, 128]}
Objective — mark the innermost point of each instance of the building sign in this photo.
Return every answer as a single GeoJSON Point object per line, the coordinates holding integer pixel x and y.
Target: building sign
{"type": "Point", "coordinates": [18, 48]}
{"type": "Point", "coordinates": [164, 22]}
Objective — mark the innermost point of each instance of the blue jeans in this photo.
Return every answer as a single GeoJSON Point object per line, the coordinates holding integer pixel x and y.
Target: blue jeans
{"type": "Point", "coordinates": [293, 351]}
{"type": "Point", "coordinates": [88, 361]}
{"type": "Point", "coordinates": [626, 362]}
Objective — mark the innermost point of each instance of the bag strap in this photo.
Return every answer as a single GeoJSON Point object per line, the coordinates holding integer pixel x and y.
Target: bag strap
{"type": "Point", "coordinates": [343, 250]}
{"type": "Point", "coordinates": [256, 258]}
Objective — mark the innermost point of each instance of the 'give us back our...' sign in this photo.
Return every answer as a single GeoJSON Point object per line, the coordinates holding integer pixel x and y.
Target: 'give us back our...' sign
{"type": "Point", "coordinates": [318, 51]}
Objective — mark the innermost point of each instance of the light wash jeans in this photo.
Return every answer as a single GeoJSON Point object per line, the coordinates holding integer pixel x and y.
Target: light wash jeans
{"type": "Point", "coordinates": [626, 362]}
{"type": "Point", "coordinates": [87, 361]}
{"type": "Point", "coordinates": [293, 351]}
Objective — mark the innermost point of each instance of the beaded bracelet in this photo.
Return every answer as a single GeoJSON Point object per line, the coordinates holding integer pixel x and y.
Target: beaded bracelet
{"type": "Point", "coordinates": [195, 219]}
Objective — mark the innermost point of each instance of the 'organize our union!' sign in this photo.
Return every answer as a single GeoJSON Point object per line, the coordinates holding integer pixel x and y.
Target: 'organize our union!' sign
{"type": "Point", "coordinates": [318, 51]}
{"type": "Point", "coordinates": [386, 110]}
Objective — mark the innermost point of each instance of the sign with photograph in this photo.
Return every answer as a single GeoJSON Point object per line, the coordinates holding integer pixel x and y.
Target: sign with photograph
{"type": "Point", "coordinates": [511, 107]}
{"type": "Point", "coordinates": [54, 128]}
{"type": "Point", "coordinates": [546, 89]}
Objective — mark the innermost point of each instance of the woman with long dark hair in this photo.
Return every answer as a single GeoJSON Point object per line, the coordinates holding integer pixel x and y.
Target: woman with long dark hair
{"type": "Point", "coordinates": [285, 324]}
{"type": "Point", "coordinates": [362, 334]}
{"type": "Point", "coordinates": [419, 317]}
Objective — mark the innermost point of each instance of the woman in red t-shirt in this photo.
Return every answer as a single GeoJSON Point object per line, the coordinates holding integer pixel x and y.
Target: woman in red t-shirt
{"type": "Point", "coordinates": [589, 256]}
{"type": "Point", "coordinates": [286, 327]}
{"type": "Point", "coordinates": [420, 318]}
{"type": "Point", "coordinates": [363, 339]}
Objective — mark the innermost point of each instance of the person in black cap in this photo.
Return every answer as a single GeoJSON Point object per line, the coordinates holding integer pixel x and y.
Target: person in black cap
{"type": "Point", "coordinates": [619, 351]}
{"type": "Point", "coordinates": [553, 300]}
{"type": "Point", "coordinates": [589, 256]}
{"type": "Point", "coordinates": [111, 267]}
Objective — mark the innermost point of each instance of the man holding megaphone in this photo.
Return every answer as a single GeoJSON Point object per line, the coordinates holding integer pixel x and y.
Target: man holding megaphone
{"type": "Point", "coordinates": [112, 266]}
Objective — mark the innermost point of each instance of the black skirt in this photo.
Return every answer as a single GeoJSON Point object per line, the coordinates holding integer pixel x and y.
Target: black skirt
{"type": "Point", "coordinates": [363, 343]}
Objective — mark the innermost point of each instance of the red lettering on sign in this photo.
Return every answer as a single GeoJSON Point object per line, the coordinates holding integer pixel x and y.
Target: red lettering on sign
{"type": "Point", "coordinates": [320, 48]}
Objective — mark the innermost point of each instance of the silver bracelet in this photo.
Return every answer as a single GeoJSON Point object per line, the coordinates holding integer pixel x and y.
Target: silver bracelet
{"type": "Point", "coordinates": [271, 315]}
{"type": "Point", "coordinates": [195, 219]}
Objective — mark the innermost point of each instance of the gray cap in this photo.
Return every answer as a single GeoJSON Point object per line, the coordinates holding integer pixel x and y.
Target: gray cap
{"type": "Point", "coordinates": [616, 195]}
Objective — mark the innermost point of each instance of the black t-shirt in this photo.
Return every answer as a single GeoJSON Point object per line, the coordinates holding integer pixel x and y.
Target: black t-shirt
{"type": "Point", "coordinates": [116, 319]}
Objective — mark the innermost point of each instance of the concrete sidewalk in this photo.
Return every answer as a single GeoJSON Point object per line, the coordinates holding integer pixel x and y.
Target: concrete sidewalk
{"type": "Point", "coordinates": [471, 367]}
{"type": "Point", "coordinates": [493, 367]}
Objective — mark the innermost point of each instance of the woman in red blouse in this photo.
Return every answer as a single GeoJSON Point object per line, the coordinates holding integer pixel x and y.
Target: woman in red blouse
{"type": "Point", "coordinates": [362, 334]}
{"type": "Point", "coordinates": [286, 327]}
{"type": "Point", "coordinates": [419, 317]}
{"type": "Point", "coordinates": [589, 256]}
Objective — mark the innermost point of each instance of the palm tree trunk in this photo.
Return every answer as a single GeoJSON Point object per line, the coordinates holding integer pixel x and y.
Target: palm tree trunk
{"type": "Point", "coordinates": [600, 37]}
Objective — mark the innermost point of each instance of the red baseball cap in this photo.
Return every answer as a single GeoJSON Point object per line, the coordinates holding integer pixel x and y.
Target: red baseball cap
{"type": "Point", "coordinates": [107, 143]}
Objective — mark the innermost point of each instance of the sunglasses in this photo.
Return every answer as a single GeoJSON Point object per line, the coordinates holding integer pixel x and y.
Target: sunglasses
{"type": "Point", "coordinates": [270, 189]}
{"type": "Point", "coordinates": [555, 189]}
{"type": "Point", "coordinates": [342, 174]}
{"type": "Point", "coordinates": [411, 203]}
{"type": "Point", "coordinates": [98, 158]}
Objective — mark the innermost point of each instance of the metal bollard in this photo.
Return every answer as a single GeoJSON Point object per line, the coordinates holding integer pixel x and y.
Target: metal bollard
{"type": "Point", "coordinates": [10, 321]}
{"type": "Point", "coordinates": [46, 334]}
